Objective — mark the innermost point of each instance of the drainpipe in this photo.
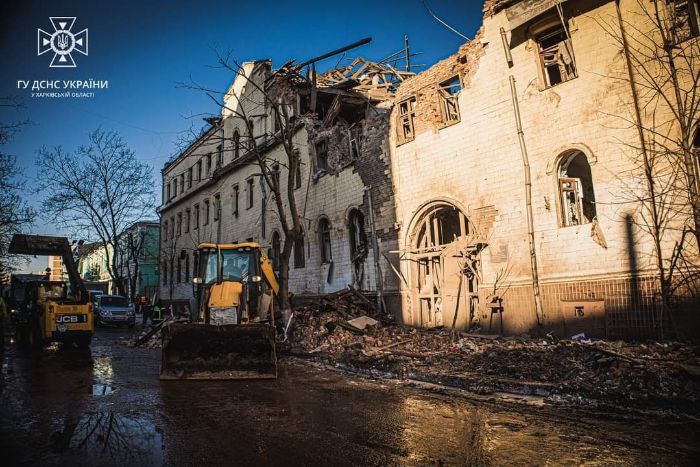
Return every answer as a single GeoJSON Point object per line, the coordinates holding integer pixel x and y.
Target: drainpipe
{"type": "Point", "coordinates": [375, 248]}
{"type": "Point", "coordinates": [528, 203]}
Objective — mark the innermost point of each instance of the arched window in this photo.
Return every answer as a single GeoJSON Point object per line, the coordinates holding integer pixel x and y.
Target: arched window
{"type": "Point", "coordinates": [164, 273]}
{"type": "Point", "coordinates": [236, 144]}
{"type": "Point", "coordinates": [276, 250]}
{"type": "Point", "coordinates": [324, 232]}
{"type": "Point", "coordinates": [187, 267]}
{"type": "Point", "coordinates": [576, 195]}
{"type": "Point", "coordinates": [299, 254]}
{"type": "Point", "coordinates": [358, 246]}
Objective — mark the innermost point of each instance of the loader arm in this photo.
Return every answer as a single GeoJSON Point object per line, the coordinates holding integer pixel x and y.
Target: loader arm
{"type": "Point", "coordinates": [50, 246]}
{"type": "Point", "coordinates": [269, 273]}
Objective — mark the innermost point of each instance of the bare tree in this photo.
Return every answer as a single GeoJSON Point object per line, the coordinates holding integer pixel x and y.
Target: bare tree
{"type": "Point", "coordinates": [97, 191]}
{"type": "Point", "coordinates": [662, 69]}
{"type": "Point", "coordinates": [15, 212]}
{"type": "Point", "coordinates": [277, 96]}
{"type": "Point", "coordinates": [133, 245]}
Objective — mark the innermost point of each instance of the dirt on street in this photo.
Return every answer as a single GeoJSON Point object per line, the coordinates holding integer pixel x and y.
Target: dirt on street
{"type": "Point", "coordinates": [106, 406]}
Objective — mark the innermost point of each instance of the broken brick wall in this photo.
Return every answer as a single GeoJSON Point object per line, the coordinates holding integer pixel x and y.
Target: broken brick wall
{"type": "Point", "coordinates": [369, 169]}
{"type": "Point", "coordinates": [476, 164]}
{"type": "Point", "coordinates": [424, 86]}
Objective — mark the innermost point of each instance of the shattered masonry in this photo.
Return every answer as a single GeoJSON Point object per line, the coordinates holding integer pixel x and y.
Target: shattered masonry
{"type": "Point", "coordinates": [440, 156]}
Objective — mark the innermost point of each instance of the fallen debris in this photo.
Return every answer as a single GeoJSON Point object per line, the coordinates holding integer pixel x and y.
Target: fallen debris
{"type": "Point", "coordinates": [577, 370]}
{"type": "Point", "coordinates": [151, 337]}
{"type": "Point", "coordinates": [363, 322]}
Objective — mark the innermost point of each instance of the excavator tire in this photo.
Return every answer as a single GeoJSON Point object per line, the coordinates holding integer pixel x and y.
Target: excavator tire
{"type": "Point", "coordinates": [211, 352]}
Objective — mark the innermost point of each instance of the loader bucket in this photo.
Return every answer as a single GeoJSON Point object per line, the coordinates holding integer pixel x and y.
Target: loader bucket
{"type": "Point", "coordinates": [210, 352]}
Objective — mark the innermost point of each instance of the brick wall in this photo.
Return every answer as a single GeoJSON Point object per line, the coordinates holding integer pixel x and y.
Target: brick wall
{"type": "Point", "coordinates": [476, 164]}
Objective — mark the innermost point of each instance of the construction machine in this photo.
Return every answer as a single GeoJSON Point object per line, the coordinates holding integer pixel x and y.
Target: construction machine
{"type": "Point", "coordinates": [233, 336]}
{"type": "Point", "coordinates": [52, 311]}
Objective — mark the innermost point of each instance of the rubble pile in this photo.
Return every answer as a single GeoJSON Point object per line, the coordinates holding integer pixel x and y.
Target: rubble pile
{"type": "Point", "coordinates": [644, 375]}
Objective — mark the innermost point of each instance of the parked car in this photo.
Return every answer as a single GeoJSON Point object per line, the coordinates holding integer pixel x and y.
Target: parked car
{"type": "Point", "coordinates": [114, 309]}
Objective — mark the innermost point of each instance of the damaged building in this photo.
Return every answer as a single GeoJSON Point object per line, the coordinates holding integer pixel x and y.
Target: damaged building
{"type": "Point", "coordinates": [512, 163]}
{"type": "Point", "coordinates": [214, 191]}
{"type": "Point", "coordinates": [498, 190]}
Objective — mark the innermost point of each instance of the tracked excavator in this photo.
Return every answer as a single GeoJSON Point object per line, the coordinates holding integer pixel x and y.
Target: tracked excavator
{"type": "Point", "coordinates": [233, 336]}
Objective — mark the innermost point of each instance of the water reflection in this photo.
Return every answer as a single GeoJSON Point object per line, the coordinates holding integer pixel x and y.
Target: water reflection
{"type": "Point", "coordinates": [102, 389]}
{"type": "Point", "coordinates": [112, 438]}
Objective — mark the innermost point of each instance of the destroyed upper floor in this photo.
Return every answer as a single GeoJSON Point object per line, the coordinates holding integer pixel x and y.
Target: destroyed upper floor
{"type": "Point", "coordinates": [339, 109]}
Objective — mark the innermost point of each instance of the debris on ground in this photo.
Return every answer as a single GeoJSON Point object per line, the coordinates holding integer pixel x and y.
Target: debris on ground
{"type": "Point", "coordinates": [577, 370]}
{"type": "Point", "coordinates": [150, 337]}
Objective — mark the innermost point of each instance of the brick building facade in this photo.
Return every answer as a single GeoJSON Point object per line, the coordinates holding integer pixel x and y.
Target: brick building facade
{"type": "Point", "coordinates": [459, 170]}
{"type": "Point", "coordinates": [214, 191]}
{"type": "Point", "coordinates": [504, 179]}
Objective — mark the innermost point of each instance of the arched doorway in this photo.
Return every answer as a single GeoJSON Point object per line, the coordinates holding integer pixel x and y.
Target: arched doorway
{"type": "Point", "coordinates": [443, 267]}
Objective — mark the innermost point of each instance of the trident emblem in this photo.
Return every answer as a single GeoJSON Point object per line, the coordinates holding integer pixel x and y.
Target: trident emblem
{"type": "Point", "coordinates": [62, 42]}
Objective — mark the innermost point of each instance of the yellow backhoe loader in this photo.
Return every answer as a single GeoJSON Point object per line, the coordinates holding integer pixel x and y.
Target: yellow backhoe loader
{"type": "Point", "coordinates": [234, 333]}
{"type": "Point", "coordinates": [52, 311]}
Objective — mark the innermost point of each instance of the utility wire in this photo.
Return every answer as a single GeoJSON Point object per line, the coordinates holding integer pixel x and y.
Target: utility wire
{"type": "Point", "coordinates": [425, 4]}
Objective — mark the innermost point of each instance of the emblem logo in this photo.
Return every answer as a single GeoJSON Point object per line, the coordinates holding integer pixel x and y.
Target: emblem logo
{"type": "Point", "coordinates": [62, 42]}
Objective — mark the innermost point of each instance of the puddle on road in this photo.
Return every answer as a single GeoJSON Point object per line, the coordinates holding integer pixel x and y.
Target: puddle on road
{"type": "Point", "coordinates": [102, 389]}
{"type": "Point", "coordinates": [109, 438]}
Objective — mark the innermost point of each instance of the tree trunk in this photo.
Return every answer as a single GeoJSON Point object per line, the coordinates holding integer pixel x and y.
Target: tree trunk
{"type": "Point", "coordinates": [283, 276]}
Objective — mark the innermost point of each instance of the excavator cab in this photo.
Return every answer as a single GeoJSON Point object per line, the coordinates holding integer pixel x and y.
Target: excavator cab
{"type": "Point", "coordinates": [233, 336]}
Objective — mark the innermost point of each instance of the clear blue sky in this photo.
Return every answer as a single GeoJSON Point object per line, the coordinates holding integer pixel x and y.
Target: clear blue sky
{"type": "Point", "coordinates": [145, 47]}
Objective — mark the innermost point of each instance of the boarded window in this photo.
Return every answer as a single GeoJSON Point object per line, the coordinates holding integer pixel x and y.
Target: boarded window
{"type": "Point", "coordinates": [324, 232]}
{"type": "Point", "coordinates": [556, 56]}
{"type": "Point", "coordinates": [322, 155]}
{"type": "Point", "coordinates": [449, 90]}
{"type": "Point", "coordinates": [576, 195]}
{"type": "Point", "coordinates": [406, 116]}
{"type": "Point", "coordinates": [299, 254]}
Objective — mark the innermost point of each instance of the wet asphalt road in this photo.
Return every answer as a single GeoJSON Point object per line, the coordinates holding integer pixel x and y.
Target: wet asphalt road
{"type": "Point", "coordinates": [107, 406]}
